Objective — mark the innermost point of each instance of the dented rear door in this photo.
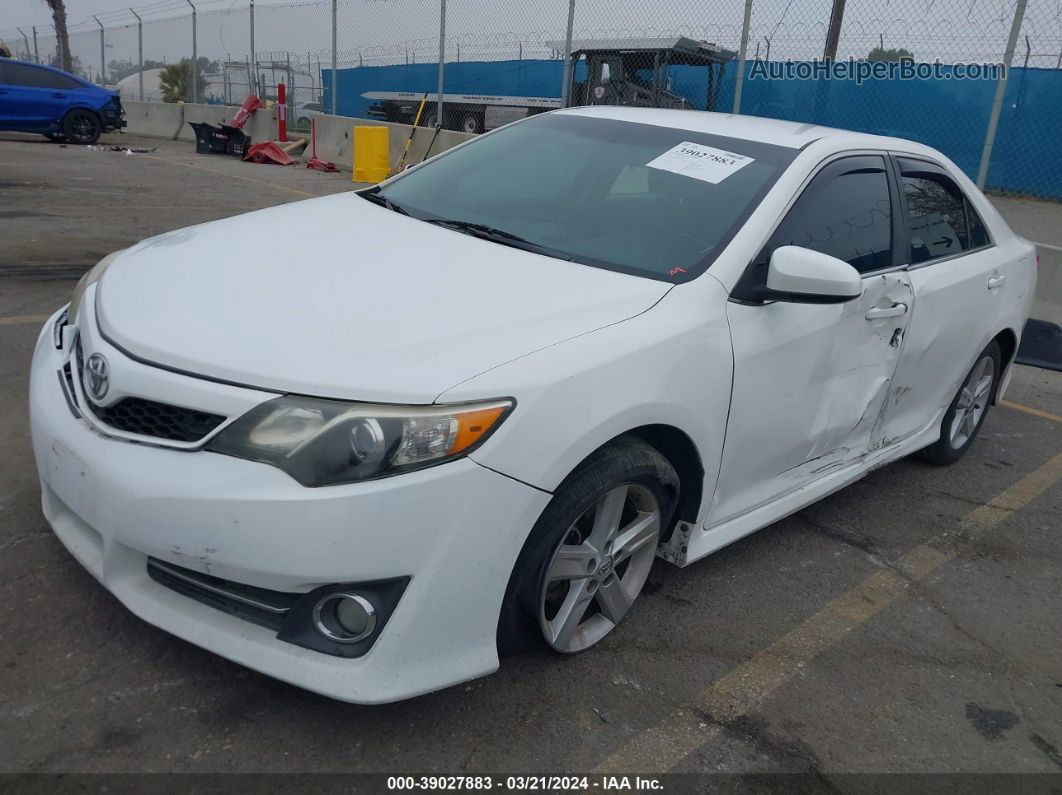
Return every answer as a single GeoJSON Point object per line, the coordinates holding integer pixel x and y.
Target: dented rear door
{"type": "Point", "coordinates": [962, 283]}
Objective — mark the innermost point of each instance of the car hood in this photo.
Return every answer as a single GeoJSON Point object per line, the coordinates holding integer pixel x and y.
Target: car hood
{"type": "Point", "coordinates": [339, 297]}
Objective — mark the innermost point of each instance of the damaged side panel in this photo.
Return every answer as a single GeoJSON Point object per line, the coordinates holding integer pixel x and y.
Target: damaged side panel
{"type": "Point", "coordinates": [812, 390]}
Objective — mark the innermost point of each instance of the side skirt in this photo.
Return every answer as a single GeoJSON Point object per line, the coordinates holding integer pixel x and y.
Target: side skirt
{"type": "Point", "coordinates": [689, 543]}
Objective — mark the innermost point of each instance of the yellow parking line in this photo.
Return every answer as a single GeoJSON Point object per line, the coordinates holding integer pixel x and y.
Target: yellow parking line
{"type": "Point", "coordinates": [19, 320]}
{"type": "Point", "coordinates": [1046, 415]}
{"type": "Point", "coordinates": [665, 744]}
{"type": "Point", "coordinates": [232, 176]}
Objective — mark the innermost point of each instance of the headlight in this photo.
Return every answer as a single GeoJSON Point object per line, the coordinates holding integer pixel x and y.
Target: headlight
{"type": "Point", "coordinates": [86, 281]}
{"type": "Point", "coordinates": [324, 442]}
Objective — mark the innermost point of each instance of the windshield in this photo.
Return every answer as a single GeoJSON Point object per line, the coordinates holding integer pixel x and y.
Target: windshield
{"type": "Point", "coordinates": [636, 198]}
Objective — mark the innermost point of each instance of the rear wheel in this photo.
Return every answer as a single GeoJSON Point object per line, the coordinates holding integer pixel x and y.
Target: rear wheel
{"type": "Point", "coordinates": [82, 127]}
{"type": "Point", "coordinates": [471, 123]}
{"type": "Point", "coordinates": [589, 555]}
{"type": "Point", "coordinates": [967, 411]}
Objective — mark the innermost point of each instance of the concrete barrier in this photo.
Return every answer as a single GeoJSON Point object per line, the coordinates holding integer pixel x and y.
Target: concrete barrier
{"type": "Point", "coordinates": [335, 134]}
{"type": "Point", "coordinates": [212, 114]}
{"type": "Point", "coordinates": [335, 140]}
{"type": "Point", "coordinates": [155, 119]}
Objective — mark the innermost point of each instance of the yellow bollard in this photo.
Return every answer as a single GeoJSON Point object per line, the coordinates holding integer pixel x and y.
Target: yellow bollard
{"type": "Point", "coordinates": [372, 154]}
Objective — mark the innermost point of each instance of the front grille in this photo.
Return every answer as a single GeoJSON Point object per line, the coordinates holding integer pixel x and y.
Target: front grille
{"type": "Point", "coordinates": [160, 420]}
{"type": "Point", "coordinates": [149, 417]}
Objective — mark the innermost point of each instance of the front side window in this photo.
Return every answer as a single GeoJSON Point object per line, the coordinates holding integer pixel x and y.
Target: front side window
{"type": "Point", "coordinates": [584, 189]}
{"type": "Point", "coordinates": [845, 212]}
{"type": "Point", "coordinates": [68, 83]}
{"type": "Point", "coordinates": [941, 221]}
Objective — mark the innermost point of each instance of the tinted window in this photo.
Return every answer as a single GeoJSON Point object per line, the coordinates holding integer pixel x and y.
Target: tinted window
{"type": "Point", "coordinates": [583, 188]}
{"type": "Point", "coordinates": [62, 81]}
{"type": "Point", "coordinates": [30, 76]}
{"type": "Point", "coordinates": [845, 212]}
{"type": "Point", "coordinates": [941, 219]}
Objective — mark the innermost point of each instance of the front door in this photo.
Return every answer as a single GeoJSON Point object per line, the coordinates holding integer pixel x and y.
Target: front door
{"type": "Point", "coordinates": [811, 381]}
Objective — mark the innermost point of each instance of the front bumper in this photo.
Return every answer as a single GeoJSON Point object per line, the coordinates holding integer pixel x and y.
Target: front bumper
{"type": "Point", "coordinates": [455, 530]}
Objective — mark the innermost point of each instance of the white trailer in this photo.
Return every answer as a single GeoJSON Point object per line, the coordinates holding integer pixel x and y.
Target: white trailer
{"type": "Point", "coordinates": [471, 113]}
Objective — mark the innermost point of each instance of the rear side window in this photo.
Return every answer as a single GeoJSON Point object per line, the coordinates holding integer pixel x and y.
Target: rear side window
{"type": "Point", "coordinates": [845, 212]}
{"type": "Point", "coordinates": [940, 219]}
{"type": "Point", "coordinates": [30, 77]}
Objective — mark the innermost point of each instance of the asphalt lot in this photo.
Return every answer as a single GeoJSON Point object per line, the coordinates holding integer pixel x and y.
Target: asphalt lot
{"type": "Point", "coordinates": [909, 623]}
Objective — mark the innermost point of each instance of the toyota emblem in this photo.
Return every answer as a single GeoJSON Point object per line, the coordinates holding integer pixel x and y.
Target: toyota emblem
{"type": "Point", "coordinates": [96, 379]}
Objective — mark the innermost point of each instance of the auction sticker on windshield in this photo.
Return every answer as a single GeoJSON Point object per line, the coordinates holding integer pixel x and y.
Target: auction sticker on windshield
{"type": "Point", "coordinates": [700, 162]}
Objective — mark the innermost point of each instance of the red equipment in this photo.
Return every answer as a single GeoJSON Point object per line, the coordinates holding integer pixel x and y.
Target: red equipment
{"type": "Point", "coordinates": [249, 106]}
{"type": "Point", "coordinates": [269, 152]}
{"type": "Point", "coordinates": [320, 165]}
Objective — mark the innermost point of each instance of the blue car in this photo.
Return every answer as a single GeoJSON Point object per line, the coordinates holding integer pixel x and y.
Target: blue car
{"type": "Point", "coordinates": [59, 105]}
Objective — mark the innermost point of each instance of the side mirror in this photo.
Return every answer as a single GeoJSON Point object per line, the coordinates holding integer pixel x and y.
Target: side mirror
{"type": "Point", "coordinates": [810, 277]}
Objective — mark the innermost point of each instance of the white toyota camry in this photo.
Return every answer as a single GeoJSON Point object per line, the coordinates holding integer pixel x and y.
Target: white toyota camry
{"type": "Point", "coordinates": [504, 382]}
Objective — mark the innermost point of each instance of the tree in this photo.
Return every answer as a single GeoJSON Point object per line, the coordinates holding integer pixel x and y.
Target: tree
{"type": "Point", "coordinates": [891, 54]}
{"type": "Point", "coordinates": [175, 81]}
{"type": "Point", "coordinates": [62, 39]}
{"type": "Point", "coordinates": [117, 70]}
{"type": "Point", "coordinates": [73, 64]}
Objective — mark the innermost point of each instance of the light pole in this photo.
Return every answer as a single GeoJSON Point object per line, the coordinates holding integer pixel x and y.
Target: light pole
{"type": "Point", "coordinates": [442, 63]}
{"type": "Point", "coordinates": [103, 53]}
{"type": "Point", "coordinates": [195, 59]}
{"type": "Point", "coordinates": [139, 51]}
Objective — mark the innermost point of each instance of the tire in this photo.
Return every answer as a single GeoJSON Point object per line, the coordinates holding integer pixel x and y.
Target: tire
{"type": "Point", "coordinates": [55, 138]}
{"type": "Point", "coordinates": [968, 409]}
{"type": "Point", "coordinates": [304, 123]}
{"type": "Point", "coordinates": [470, 123]}
{"type": "Point", "coordinates": [82, 127]}
{"type": "Point", "coordinates": [627, 480]}
{"type": "Point", "coordinates": [427, 120]}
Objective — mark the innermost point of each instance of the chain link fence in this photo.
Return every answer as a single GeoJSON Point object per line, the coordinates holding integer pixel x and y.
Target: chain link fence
{"type": "Point", "coordinates": [502, 59]}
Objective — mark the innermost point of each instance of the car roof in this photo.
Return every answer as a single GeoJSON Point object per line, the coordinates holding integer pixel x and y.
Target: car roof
{"type": "Point", "coordinates": [790, 134]}
{"type": "Point", "coordinates": [49, 68]}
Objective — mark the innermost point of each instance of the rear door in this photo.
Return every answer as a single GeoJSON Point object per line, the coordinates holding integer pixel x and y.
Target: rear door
{"type": "Point", "coordinates": [961, 287]}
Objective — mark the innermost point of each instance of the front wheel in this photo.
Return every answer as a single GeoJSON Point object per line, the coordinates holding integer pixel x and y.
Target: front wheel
{"type": "Point", "coordinates": [589, 555]}
{"type": "Point", "coordinates": [968, 409]}
{"type": "Point", "coordinates": [82, 127]}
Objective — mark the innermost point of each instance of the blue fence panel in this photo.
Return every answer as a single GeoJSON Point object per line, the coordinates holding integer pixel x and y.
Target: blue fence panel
{"type": "Point", "coordinates": [950, 115]}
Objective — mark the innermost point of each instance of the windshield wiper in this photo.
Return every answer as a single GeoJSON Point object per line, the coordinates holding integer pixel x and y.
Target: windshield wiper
{"type": "Point", "coordinates": [378, 198]}
{"type": "Point", "coordinates": [498, 236]}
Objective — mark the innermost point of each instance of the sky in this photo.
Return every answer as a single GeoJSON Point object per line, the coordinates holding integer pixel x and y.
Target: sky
{"type": "Point", "coordinates": [24, 13]}
{"type": "Point", "coordinates": [396, 30]}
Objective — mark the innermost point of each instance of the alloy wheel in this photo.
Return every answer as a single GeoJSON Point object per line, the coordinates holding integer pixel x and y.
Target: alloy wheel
{"type": "Point", "coordinates": [972, 403]}
{"type": "Point", "coordinates": [599, 568]}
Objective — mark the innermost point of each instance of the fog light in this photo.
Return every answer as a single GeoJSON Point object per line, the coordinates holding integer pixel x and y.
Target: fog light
{"type": "Point", "coordinates": [344, 617]}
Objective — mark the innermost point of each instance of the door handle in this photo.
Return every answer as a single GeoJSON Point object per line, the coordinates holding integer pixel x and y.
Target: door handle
{"type": "Point", "coordinates": [994, 282]}
{"type": "Point", "coordinates": [881, 312]}
{"type": "Point", "coordinates": [58, 95]}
